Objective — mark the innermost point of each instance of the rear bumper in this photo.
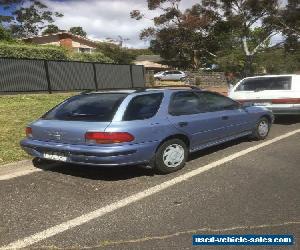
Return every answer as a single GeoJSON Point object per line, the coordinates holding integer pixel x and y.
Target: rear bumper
{"type": "Point", "coordinates": [94, 155]}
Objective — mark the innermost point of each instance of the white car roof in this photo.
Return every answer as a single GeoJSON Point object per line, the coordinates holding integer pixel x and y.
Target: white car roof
{"type": "Point", "coordinates": [270, 76]}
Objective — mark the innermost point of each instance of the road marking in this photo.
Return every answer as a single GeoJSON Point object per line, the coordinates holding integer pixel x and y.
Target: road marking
{"type": "Point", "coordinates": [27, 241]}
{"type": "Point", "coordinates": [14, 170]}
{"type": "Point", "coordinates": [107, 243]}
{"type": "Point", "coordinates": [19, 173]}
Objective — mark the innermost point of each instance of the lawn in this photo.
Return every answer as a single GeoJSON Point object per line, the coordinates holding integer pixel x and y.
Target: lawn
{"type": "Point", "coordinates": [16, 111]}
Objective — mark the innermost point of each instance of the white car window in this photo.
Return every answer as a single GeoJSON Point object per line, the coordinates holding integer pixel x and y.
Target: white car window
{"type": "Point", "coordinates": [265, 83]}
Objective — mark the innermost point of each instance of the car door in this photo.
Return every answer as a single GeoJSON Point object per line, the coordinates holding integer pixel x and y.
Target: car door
{"type": "Point", "coordinates": [171, 76]}
{"type": "Point", "coordinates": [177, 75]}
{"type": "Point", "coordinates": [234, 118]}
{"type": "Point", "coordinates": [188, 113]}
{"type": "Point", "coordinates": [166, 75]}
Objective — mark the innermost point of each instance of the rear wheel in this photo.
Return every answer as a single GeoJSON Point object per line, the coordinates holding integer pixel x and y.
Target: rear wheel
{"type": "Point", "coordinates": [262, 129]}
{"type": "Point", "coordinates": [170, 156]}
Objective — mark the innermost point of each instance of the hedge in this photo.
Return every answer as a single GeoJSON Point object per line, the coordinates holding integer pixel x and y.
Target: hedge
{"type": "Point", "coordinates": [90, 57]}
{"type": "Point", "coordinates": [26, 51]}
{"type": "Point", "coordinates": [16, 50]}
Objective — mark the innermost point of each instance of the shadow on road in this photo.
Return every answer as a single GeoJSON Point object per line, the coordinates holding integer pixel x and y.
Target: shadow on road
{"type": "Point", "coordinates": [119, 172]}
{"type": "Point", "coordinates": [214, 149]}
{"type": "Point", "coordinates": [287, 119]}
{"type": "Point", "coordinates": [94, 172]}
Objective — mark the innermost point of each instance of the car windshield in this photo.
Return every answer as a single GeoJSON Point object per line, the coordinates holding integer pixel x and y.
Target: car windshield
{"type": "Point", "coordinates": [98, 107]}
{"type": "Point", "coordinates": [265, 83]}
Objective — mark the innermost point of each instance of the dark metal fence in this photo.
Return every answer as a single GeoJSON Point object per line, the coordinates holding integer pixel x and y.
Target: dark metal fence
{"type": "Point", "coordinates": [27, 75]}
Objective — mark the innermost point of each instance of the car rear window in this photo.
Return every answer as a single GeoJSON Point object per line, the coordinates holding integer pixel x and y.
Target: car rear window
{"type": "Point", "coordinates": [265, 83]}
{"type": "Point", "coordinates": [143, 107]}
{"type": "Point", "coordinates": [98, 107]}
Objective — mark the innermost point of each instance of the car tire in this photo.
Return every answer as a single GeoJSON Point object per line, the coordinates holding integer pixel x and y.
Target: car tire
{"type": "Point", "coordinates": [262, 129]}
{"type": "Point", "coordinates": [182, 79]}
{"type": "Point", "coordinates": [157, 79]}
{"type": "Point", "coordinates": [170, 156]}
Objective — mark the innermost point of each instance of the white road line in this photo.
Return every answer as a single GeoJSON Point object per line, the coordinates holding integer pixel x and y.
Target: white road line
{"type": "Point", "coordinates": [22, 168]}
{"type": "Point", "coordinates": [27, 241]}
{"type": "Point", "coordinates": [19, 173]}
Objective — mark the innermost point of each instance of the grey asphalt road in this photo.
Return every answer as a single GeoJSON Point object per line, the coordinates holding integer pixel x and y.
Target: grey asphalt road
{"type": "Point", "coordinates": [255, 193]}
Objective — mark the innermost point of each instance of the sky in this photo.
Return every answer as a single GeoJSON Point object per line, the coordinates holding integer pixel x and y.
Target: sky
{"type": "Point", "coordinates": [107, 18]}
{"type": "Point", "coordinates": [103, 19]}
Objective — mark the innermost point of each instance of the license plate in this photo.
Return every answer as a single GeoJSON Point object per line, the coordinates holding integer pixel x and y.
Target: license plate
{"type": "Point", "coordinates": [55, 156]}
{"type": "Point", "coordinates": [262, 104]}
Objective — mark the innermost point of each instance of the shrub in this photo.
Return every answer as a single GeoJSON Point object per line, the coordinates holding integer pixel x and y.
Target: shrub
{"type": "Point", "coordinates": [20, 50]}
{"type": "Point", "coordinates": [87, 57]}
{"type": "Point", "coordinates": [116, 53]}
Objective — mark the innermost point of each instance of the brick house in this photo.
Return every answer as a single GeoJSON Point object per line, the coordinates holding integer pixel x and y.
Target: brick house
{"type": "Point", "coordinates": [64, 39]}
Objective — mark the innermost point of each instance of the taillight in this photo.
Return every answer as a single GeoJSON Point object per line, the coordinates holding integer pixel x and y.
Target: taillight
{"type": "Point", "coordinates": [108, 137]}
{"type": "Point", "coordinates": [28, 131]}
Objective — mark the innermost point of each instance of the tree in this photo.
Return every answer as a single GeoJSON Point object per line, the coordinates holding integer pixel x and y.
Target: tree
{"type": "Point", "coordinates": [289, 24]}
{"type": "Point", "coordinates": [116, 53]}
{"type": "Point", "coordinates": [26, 17]}
{"type": "Point", "coordinates": [182, 38]}
{"type": "Point", "coordinates": [252, 22]}
{"type": "Point", "coordinates": [5, 35]}
{"type": "Point", "coordinates": [78, 31]}
{"type": "Point", "coordinates": [51, 29]}
{"type": "Point", "coordinates": [216, 27]}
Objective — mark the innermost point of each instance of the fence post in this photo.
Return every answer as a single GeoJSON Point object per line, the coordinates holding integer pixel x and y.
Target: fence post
{"type": "Point", "coordinates": [131, 76]}
{"type": "Point", "coordinates": [144, 77]}
{"type": "Point", "coordinates": [47, 76]}
{"type": "Point", "coordinates": [95, 77]}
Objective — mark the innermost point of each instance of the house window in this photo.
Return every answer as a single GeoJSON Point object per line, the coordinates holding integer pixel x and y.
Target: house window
{"type": "Point", "coordinates": [84, 50]}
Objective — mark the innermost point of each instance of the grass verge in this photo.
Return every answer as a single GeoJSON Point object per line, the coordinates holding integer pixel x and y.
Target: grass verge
{"type": "Point", "coordinates": [16, 111]}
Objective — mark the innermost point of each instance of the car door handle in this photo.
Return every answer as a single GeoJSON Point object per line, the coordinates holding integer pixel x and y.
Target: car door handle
{"type": "Point", "coordinates": [225, 117]}
{"type": "Point", "coordinates": [183, 124]}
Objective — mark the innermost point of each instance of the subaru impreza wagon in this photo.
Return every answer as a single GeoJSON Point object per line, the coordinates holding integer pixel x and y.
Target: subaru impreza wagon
{"type": "Point", "coordinates": [155, 127]}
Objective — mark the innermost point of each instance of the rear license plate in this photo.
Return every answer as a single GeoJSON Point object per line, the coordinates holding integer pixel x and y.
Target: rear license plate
{"type": "Point", "coordinates": [55, 156]}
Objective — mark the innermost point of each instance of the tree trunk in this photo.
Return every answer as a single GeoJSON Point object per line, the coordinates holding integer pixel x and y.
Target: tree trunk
{"type": "Point", "coordinates": [248, 69]}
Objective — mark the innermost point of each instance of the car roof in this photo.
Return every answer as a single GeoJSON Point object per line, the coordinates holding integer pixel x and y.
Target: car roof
{"type": "Point", "coordinates": [251, 77]}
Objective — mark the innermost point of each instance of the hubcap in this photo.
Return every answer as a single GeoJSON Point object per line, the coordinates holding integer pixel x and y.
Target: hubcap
{"type": "Point", "coordinates": [263, 128]}
{"type": "Point", "coordinates": [173, 155]}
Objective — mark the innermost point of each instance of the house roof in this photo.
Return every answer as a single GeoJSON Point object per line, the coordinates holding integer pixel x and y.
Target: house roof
{"type": "Point", "coordinates": [150, 58]}
{"type": "Point", "coordinates": [61, 33]}
{"type": "Point", "coordinates": [148, 64]}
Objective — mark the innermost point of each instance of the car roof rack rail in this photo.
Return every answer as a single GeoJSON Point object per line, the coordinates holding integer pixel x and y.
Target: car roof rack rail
{"type": "Point", "coordinates": [168, 86]}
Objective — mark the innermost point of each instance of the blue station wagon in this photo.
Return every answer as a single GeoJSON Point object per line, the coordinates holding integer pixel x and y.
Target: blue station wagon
{"type": "Point", "coordinates": [154, 126]}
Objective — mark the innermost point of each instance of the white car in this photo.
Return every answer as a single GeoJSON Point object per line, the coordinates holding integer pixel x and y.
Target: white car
{"type": "Point", "coordinates": [279, 93]}
{"type": "Point", "coordinates": [170, 75]}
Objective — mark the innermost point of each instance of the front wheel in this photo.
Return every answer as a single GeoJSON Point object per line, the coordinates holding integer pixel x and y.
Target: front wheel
{"type": "Point", "coordinates": [262, 129]}
{"type": "Point", "coordinates": [170, 156]}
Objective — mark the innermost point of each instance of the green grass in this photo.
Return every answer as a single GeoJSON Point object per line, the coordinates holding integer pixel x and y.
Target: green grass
{"type": "Point", "coordinates": [16, 111]}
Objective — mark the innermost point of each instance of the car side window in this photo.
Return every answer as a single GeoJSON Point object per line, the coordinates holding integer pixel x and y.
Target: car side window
{"type": "Point", "coordinates": [216, 102]}
{"type": "Point", "coordinates": [143, 107]}
{"type": "Point", "coordinates": [186, 103]}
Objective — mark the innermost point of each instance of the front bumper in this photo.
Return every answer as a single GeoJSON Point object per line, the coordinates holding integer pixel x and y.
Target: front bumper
{"type": "Point", "coordinates": [115, 155]}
